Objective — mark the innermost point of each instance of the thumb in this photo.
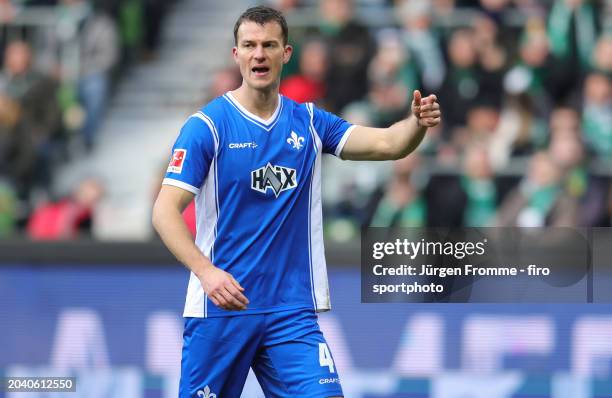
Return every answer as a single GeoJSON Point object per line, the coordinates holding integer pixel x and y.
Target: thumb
{"type": "Point", "coordinates": [417, 98]}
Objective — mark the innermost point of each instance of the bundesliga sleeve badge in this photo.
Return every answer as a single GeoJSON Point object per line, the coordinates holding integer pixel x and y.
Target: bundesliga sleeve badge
{"type": "Point", "coordinates": [176, 163]}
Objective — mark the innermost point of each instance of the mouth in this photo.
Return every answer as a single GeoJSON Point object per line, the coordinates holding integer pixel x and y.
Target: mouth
{"type": "Point", "coordinates": [260, 71]}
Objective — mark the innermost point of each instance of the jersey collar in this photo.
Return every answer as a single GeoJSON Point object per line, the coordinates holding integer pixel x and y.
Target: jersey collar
{"type": "Point", "coordinates": [265, 124]}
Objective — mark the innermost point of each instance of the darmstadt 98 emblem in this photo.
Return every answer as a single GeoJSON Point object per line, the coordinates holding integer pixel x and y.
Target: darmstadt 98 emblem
{"type": "Point", "coordinates": [206, 393]}
{"type": "Point", "coordinates": [295, 141]}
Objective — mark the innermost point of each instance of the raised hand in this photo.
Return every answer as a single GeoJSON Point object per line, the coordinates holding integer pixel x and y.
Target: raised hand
{"type": "Point", "coordinates": [426, 110]}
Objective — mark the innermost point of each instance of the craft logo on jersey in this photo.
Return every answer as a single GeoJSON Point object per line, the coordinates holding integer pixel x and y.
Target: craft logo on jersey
{"type": "Point", "coordinates": [176, 163]}
{"type": "Point", "coordinates": [242, 145]}
{"type": "Point", "coordinates": [206, 393]}
{"type": "Point", "coordinates": [295, 141]}
{"type": "Point", "coordinates": [276, 178]}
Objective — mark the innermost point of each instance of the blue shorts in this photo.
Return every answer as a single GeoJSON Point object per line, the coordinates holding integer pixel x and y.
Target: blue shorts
{"type": "Point", "coordinates": [286, 350]}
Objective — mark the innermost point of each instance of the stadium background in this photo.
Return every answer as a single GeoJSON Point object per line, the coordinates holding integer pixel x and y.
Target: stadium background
{"type": "Point", "coordinates": [85, 132]}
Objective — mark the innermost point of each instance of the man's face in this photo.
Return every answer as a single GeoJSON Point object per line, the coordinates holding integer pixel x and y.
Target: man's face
{"type": "Point", "coordinates": [17, 58]}
{"type": "Point", "coordinates": [260, 54]}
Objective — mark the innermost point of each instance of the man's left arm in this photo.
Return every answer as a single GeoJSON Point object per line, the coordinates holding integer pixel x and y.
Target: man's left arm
{"type": "Point", "coordinates": [398, 140]}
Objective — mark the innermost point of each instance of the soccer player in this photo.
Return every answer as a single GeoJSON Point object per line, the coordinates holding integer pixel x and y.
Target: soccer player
{"type": "Point", "coordinates": [252, 159]}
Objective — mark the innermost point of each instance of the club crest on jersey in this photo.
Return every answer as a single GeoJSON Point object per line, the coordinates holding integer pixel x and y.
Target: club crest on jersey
{"type": "Point", "coordinates": [295, 141]}
{"type": "Point", "coordinates": [176, 163]}
{"type": "Point", "coordinates": [206, 393]}
{"type": "Point", "coordinates": [276, 178]}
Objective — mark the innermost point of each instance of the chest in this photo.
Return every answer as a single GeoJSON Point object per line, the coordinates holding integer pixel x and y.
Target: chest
{"type": "Point", "coordinates": [242, 144]}
{"type": "Point", "coordinates": [267, 160]}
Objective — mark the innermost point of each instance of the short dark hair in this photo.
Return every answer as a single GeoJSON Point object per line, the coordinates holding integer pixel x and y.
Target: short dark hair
{"type": "Point", "coordinates": [262, 15]}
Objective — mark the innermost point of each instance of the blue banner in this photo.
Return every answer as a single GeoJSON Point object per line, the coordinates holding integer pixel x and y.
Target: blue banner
{"type": "Point", "coordinates": [123, 324]}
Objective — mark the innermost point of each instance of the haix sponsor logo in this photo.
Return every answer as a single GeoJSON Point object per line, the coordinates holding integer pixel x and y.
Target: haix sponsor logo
{"type": "Point", "coordinates": [333, 380]}
{"type": "Point", "coordinates": [242, 145]}
{"type": "Point", "coordinates": [276, 178]}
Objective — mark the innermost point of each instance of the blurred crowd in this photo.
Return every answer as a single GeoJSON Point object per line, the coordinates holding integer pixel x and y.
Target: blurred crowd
{"type": "Point", "coordinates": [60, 60]}
{"type": "Point", "coordinates": [526, 93]}
{"type": "Point", "coordinates": [525, 88]}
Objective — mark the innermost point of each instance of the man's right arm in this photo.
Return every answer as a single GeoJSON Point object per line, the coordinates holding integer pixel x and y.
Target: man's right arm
{"type": "Point", "coordinates": [223, 290]}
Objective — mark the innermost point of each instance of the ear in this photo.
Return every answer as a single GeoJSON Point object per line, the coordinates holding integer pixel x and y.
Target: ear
{"type": "Point", "coordinates": [235, 53]}
{"type": "Point", "coordinates": [287, 53]}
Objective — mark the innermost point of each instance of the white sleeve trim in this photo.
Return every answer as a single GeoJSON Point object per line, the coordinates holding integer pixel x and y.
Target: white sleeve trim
{"type": "Point", "coordinates": [345, 137]}
{"type": "Point", "coordinates": [181, 184]}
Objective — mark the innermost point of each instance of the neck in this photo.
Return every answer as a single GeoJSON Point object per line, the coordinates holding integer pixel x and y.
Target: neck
{"type": "Point", "coordinates": [262, 103]}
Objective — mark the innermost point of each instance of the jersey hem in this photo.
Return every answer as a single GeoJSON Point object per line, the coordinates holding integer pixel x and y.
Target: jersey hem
{"type": "Point", "coordinates": [181, 184]}
{"type": "Point", "coordinates": [219, 314]}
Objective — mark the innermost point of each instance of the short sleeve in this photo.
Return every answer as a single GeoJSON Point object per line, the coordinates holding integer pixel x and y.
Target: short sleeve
{"type": "Point", "coordinates": [192, 154]}
{"type": "Point", "coordinates": [332, 130]}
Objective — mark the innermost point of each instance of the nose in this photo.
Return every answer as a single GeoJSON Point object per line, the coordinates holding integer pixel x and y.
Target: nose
{"type": "Point", "coordinates": [259, 53]}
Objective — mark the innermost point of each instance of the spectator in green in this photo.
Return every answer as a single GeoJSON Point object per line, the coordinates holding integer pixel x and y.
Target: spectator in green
{"type": "Point", "coordinates": [8, 209]}
{"type": "Point", "coordinates": [478, 185]}
{"type": "Point", "coordinates": [579, 183]}
{"type": "Point", "coordinates": [401, 203]}
{"type": "Point", "coordinates": [422, 41]}
{"type": "Point", "coordinates": [392, 76]}
{"type": "Point", "coordinates": [572, 30]}
{"type": "Point", "coordinates": [352, 47]}
{"type": "Point", "coordinates": [539, 200]}
{"type": "Point", "coordinates": [461, 87]}
{"type": "Point", "coordinates": [597, 114]}
{"type": "Point", "coordinates": [541, 78]}
{"type": "Point", "coordinates": [601, 59]}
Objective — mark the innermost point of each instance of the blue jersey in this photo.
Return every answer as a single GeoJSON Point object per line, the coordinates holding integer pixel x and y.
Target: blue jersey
{"type": "Point", "coordinates": [258, 200]}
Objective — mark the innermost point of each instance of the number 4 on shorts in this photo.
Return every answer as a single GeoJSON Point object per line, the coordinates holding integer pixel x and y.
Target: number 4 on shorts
{"type": "Point", "coordinates": [325, 358]}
